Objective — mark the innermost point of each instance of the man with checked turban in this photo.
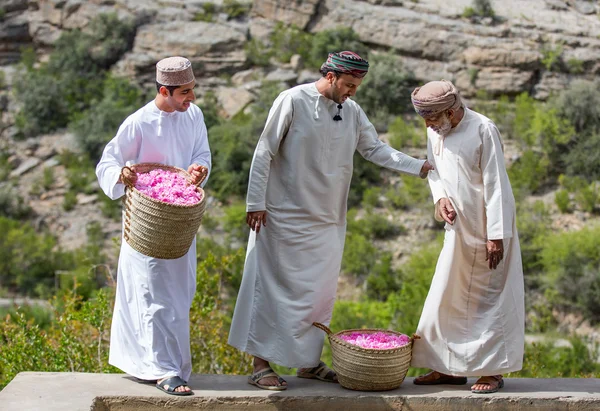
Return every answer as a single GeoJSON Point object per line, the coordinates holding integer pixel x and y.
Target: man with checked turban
{"type": "Point", "coordinates": [296, 208]}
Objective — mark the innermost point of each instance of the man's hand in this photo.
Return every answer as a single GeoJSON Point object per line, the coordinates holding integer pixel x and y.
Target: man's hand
{"type": "Point", "coordinates": [127, 177]}
{"type": "Point", "coordinates": [425, 169]}
{"type": "Point", "coordinates": [255, 218]}
{"type": "Point", "coordinates": [198, 173]}
{"type": "Point", "coordinates": [446, 210]}
{"type": "Point", "coordinates": [494, 253]}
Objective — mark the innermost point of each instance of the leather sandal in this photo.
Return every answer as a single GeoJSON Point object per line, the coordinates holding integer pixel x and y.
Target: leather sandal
{"type": "Point", "coordinates": [267, 372]}
{"type": "Point", "coordinates": [495, 382]}
{"type": "Point", "coordinates": [321, 372]}
{"type": "Point", "coordinates": [435, 378]}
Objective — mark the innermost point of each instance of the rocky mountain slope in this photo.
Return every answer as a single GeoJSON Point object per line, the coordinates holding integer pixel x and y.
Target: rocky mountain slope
{"type": "Point", "coordinates": [537, 46]}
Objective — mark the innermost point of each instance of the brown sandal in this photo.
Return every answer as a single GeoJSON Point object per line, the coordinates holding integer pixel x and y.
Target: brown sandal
{"type": "Point", "coordinates": [495, 382]}
{"type": "Point", "coordinates": [435, 378]}
{"type": "Point", "coordinates": [321, 372]}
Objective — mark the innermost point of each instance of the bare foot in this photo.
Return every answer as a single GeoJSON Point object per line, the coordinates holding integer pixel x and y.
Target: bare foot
{"type": "Point", "coordinates": [259, 365]}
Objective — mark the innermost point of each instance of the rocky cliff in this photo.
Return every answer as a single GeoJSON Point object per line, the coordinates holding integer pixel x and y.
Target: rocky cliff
{"type": "Point", "coordinates": [536, 46]}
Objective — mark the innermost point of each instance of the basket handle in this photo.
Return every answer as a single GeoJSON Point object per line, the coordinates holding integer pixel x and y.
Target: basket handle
{"type": "Point", "coordinates": [323, 327]}
{"type": "Point", "coordinates": [204, 174]}
{"type": "Point", "coordinates": [126, 181]}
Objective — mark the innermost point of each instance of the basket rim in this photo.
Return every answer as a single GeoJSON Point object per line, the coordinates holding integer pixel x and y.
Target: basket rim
{"type": "Point", "coordinates": [338, 340]}
{"type": "Point", "coordinates": [199, 189]}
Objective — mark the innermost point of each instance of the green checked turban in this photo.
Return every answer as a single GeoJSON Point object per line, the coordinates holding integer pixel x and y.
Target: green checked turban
{"type": "Point", "coordinates": [347, 62]}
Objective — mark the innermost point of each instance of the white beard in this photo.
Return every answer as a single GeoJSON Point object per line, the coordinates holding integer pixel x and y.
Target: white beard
{"type": "Point", "coordinates": [444, 129]}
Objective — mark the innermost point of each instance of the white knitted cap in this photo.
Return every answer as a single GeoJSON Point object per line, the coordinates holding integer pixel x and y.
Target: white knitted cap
{"type": "Point", "coordinates": [174, 71]}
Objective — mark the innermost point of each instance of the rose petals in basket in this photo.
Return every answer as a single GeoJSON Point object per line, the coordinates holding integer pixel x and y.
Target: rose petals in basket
{"type": "Point", "coordinates": [168, 187]}
{"type": "Point", "coordinates": [377, 341]}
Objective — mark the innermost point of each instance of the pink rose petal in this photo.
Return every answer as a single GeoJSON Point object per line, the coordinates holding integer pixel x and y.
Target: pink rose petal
{"type": "Point", "coordinates": [168, 187]}
{"type": "Point", "coordinates": [378, 340]}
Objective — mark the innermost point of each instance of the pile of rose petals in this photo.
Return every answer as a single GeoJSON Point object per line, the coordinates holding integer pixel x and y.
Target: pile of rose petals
{"type": "Point", "coordinates": [168, 187]}
{"type": "Point", "coordinates": [376, 341]}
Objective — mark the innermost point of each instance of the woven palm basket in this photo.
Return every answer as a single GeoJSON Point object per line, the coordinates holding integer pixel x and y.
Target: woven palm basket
{"type": "Point", "coordinates": [158, 229]}
{"type": "Point", "coordinates": [365, 369]}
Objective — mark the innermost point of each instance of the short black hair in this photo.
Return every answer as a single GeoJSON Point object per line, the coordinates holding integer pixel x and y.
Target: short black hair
{"type": "Point", "coordinates": [325, 70]}
{"type": "Point", "coordinates": [170, 88]}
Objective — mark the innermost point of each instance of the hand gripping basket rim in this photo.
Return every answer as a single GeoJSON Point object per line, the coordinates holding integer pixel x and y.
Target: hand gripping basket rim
{"type": "Point", "coordinates": [376, 363]}
{"type": "Point", "coordinates": [158, 229]}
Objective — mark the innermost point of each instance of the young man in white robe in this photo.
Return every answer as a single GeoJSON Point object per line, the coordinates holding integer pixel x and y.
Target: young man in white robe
{"type": "Point", "coordinates": [150, 336]}
{"type": "Point", "coordinates": [296, 208]}
{"type": "Point", "coordinates": [473, 321]}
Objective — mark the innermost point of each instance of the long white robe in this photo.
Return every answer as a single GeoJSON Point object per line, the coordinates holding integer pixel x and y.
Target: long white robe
{"type": "Point", "coordinates": [150, 327]}
{"type": "Point", "coordinates": [473, 320]}
{"type": "Point", "coordinates": [301, 174]}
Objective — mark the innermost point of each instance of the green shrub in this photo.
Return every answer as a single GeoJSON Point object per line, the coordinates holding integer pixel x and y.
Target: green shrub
{"type": "Point", "coordinates": [480, 8]}
{"type": "Point", "coordinates": [257, 53]}
{"type": "Point", "coordinates": [39, 314]}
{"type": "Point", "coordinates": [575, 66]}
{"type": "Point", "coordinates": [580, 105]}
{"type": "Point", "coordinates": [210, 320]}
{"type": "Point", "coordinates": [525, 106]}
{"type": "Point", "coordinates": [371, 197]}
{"type": "Point", "coordinates": [571, 261]}
{"type": "Point", "coordinates": [335, 40]}
{"type": "Point", "coordinates": [110, 208]}
{"type": "Point", "coordinates": [210, 109]}
{"type": "Point", "coordinates": [528, 173]}
{"type": "Point", "coordinates": [533, 222]}
{"type": "Point", "coordinates": [381, 228]}
{"type": "Point", "coordinates": [69, 200]}
{"type": "Point", "coordinates": [48, 178]}
{"type": "Point", "coordinates": [96, 126]}
{"type": "Point", "coordinates": [552, 56]}
{"type": "Point", "coordinates": [588, 197]}
{"type": "Point", "coordinates": [77, 340]}
{"type": "Point", "coordinates": [407, 134]}
{"type": "Point", "coordinates": [12, 204]}
{"type": "Point", "coordinates": [540, 318]}
{"type": "Point", "coordinates": [207, 13]}
{"type": "Point", "coordinates": [289, 40]}
{"type": "Point", "coordinates": [562, 200]}
{"type": "Point", "coordinates": [469, 12]}
{"type": "Point", "coordinates": [583, 159]}
{"type": "Point", "coordinates": [234, 223]}
{"type": "Point", "coordinates": [545, 360]}
{"type": "Point", "coordinates": [360, 255]}
{"type": "Point", "coordinates": [72, 79]}
{"type": "Point", "coordinates": [233, 143]}
{"type": "Point", "coordinates": [27, 259]}
{"type": "Point", "coordinates": [383, 280]}
{"type": "Point", "coordinates": [387, 73]}
{"type": "Point", "coordinates": [234, 9]}
{"type": "Point", "coordinates": [364, 176]}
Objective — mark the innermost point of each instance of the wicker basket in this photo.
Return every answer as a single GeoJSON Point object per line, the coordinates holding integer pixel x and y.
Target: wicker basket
{"type": "Point", "coordinates": [159, 229]}
{"type": "Point", "coordinates": [366, 369]}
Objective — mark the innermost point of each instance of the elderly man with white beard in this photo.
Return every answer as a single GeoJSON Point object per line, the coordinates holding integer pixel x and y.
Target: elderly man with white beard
{"type": "Point", "coordinates": [473, 318]}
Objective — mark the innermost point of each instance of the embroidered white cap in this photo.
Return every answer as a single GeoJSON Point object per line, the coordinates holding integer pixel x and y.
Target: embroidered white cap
{"type": "Point", "coordinates": [174, 71]}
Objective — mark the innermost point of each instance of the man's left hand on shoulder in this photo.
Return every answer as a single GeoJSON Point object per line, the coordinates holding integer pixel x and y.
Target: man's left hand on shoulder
{"type": "Point", "coordinates": [198, 173]}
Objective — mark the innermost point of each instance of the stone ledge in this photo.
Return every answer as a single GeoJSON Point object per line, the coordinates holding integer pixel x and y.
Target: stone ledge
{"type": "Point", "coordinates": [118, 392]}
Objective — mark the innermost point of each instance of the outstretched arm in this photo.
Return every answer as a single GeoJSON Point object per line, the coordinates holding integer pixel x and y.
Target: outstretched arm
{"type": "Point", "coordinates": [376, 151]}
